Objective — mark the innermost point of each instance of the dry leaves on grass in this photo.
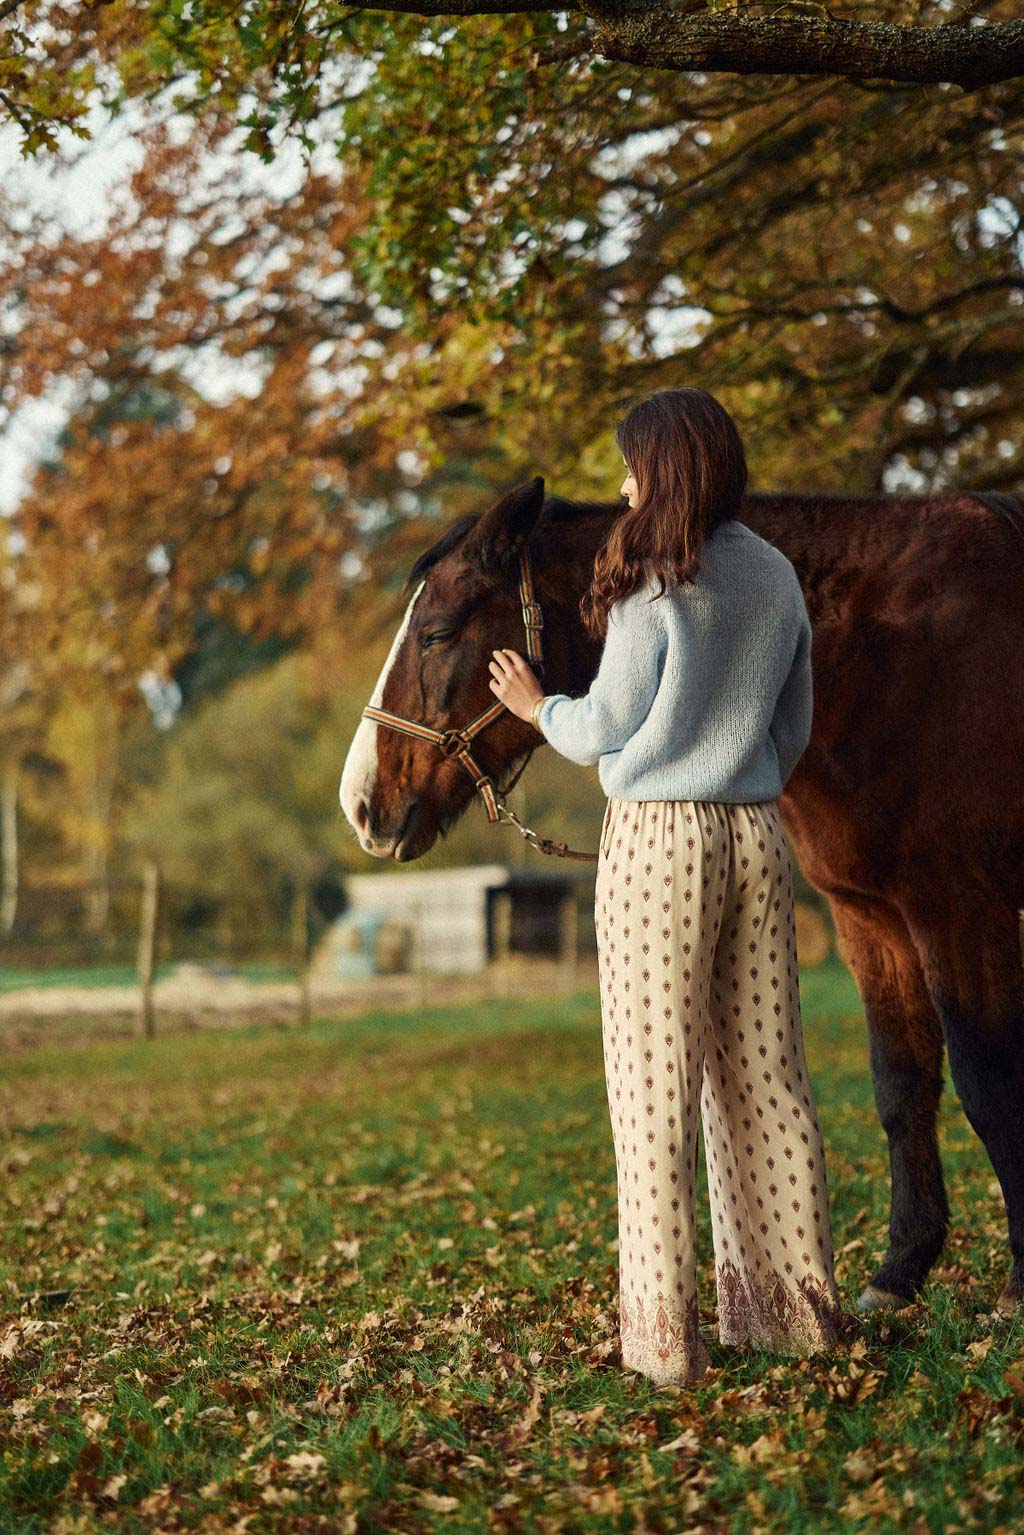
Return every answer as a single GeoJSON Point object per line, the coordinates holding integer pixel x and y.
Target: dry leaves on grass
{"type": "Point", "coordinates": [856, 1377]}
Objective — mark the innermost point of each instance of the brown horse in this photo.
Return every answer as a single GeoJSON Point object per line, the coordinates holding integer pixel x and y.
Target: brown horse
{"type": "Point", "coordinates": [905, 810]}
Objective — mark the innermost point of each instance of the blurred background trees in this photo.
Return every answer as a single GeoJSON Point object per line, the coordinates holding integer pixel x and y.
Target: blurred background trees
{"type": "Point", "coordinates": [363, 272]}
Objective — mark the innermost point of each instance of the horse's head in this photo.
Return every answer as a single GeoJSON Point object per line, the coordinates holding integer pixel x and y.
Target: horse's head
{"type": "Point", "coordinates": [397, 791]}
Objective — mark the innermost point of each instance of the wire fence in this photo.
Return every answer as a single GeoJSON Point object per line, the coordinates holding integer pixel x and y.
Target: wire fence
{"type": "Point", "coordinates": [84, 925]}
{"type": "Point", "coordinates": [127, 945]}
{"type": "Point", "coordinates": [138, 931]}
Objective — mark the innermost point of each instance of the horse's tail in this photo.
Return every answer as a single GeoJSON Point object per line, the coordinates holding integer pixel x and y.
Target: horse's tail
{"type": "Point", "coordinates": [1010, 507]}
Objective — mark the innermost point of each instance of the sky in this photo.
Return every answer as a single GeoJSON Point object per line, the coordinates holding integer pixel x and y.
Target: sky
{"type": "Point", "coordinates": [74, 188]}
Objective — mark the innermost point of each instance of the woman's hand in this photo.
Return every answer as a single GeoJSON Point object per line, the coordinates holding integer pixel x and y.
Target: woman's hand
{"type": "Point", "coordinates": [515, 682]}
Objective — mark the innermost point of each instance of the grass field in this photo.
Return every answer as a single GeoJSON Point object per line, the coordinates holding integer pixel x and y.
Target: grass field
{"type": "Point", "coordinates": [363, 1278]}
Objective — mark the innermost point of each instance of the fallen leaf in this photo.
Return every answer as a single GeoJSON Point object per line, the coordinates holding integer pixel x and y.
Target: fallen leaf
{"type": "Point", "coordinates": [441, 1503]}
{"type": "Point", "coordinates": [112, 1487]}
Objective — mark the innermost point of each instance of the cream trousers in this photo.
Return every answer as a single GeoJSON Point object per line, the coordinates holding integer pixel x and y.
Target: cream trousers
{"type": "Point", "coordinates": [700, 1006]}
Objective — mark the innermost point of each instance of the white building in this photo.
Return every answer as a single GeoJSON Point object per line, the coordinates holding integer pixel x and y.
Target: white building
{"type": "Point", "coordinates": [455, 920]}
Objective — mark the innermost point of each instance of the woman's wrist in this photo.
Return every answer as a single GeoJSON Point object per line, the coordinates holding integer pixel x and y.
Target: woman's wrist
{"type": "Point", "coordinates": [534, 713]}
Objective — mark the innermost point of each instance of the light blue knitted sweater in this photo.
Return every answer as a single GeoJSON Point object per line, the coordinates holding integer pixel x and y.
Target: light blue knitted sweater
{"type": "Point", "coordinates": [704, 693]}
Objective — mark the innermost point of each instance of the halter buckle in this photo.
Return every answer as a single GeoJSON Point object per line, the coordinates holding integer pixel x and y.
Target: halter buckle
{"type": "Point", "coordinates": [452, 742]}
{"type": "Point", "coordinates": [533, 618]}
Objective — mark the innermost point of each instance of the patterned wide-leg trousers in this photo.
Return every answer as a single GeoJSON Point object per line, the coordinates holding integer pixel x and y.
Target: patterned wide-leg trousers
{"type": "Point", "coordinates": [700, 1012]}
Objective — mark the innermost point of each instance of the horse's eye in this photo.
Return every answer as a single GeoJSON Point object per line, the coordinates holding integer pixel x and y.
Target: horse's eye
{"type": "Point", "coordinates": [438, 635]}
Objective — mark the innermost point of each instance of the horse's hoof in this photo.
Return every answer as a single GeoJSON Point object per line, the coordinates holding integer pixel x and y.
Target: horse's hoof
{"type": "Point", "coordinates": [872, 1299]}
{"type": "Point", "coordinates": [1009, 1301]}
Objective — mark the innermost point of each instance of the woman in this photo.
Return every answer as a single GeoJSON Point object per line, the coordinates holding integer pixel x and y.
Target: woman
{"type": "Point", "coordinates": [699, 711]}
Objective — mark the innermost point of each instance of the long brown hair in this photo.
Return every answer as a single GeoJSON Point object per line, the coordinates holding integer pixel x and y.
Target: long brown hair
{"type": "Point", "coordinates": [685, 453]}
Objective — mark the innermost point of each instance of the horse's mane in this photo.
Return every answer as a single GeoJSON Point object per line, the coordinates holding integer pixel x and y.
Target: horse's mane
{"type": "Point", "coordinates": [560, 509]}
{"type": "Point", "coordinates": [556, 509]}
{"type": "Point", "coordinates": [444, 545]}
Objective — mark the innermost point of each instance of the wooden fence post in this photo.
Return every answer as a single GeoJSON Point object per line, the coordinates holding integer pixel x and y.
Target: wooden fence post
{"type": "Point", "coordinates": [147, 947]}
{"type": "Point", "coordinates": [9, 842]}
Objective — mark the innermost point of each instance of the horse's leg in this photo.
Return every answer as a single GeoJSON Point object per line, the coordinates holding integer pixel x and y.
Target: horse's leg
{"type": "Point", "coordinates": [972, 965]}
{"type": "Point", "coordinates": [905, 1046]}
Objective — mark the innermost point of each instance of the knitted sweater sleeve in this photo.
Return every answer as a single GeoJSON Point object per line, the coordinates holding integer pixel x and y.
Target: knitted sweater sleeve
{"type": "Point", "coordinates": [622, 692]}
{"type": "Point", "coordinates": [790, 728]}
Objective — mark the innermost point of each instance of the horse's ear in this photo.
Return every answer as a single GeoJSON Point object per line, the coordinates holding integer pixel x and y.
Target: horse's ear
{"type": "Point", "coordinates": [505, 527]}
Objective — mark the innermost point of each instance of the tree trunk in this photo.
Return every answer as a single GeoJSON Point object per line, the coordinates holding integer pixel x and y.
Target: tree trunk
{"type": "Point", "coordinates": [9, 843]}
{"type": "Point", "coordinates": [100, 791]}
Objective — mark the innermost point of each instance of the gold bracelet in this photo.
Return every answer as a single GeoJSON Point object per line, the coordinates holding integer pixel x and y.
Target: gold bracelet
{"type": "Point", "coordinates": [533, 714]}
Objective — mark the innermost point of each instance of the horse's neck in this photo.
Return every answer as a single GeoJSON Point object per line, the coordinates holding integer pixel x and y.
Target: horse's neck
{"type": "Point", "coordinates": [834, 542]}
{"type": "Point", "coordinates": [827, 527]}
{"type": "Point", "coordinates": [837, 543]}
{"type": "Point", "coordinates": [569, 553]}
{"type": "Point", "coordinates": [563, 570]}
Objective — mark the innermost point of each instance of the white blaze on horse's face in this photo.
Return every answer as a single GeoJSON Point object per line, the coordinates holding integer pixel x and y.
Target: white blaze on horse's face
{"type": "Point", "coordinates": [359, 774]}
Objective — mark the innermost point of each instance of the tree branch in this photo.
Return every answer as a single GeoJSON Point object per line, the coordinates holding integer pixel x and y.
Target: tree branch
{"type": "Point", "coordinates": [462, 8]}
{"type": "Point", "coordinates": [777, 44]}
{"type": "Point", "coordinates": [21, 119]}
{"type": "Point", "coordinates": [690, 37]}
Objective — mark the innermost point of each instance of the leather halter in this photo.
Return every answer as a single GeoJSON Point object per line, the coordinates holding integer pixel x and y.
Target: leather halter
{"type": "Point", "coordinates": [458, 743]}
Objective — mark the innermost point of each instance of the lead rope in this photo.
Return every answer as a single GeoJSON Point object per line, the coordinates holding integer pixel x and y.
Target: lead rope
{"type": "Point", "coordinates": [543, 844]}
